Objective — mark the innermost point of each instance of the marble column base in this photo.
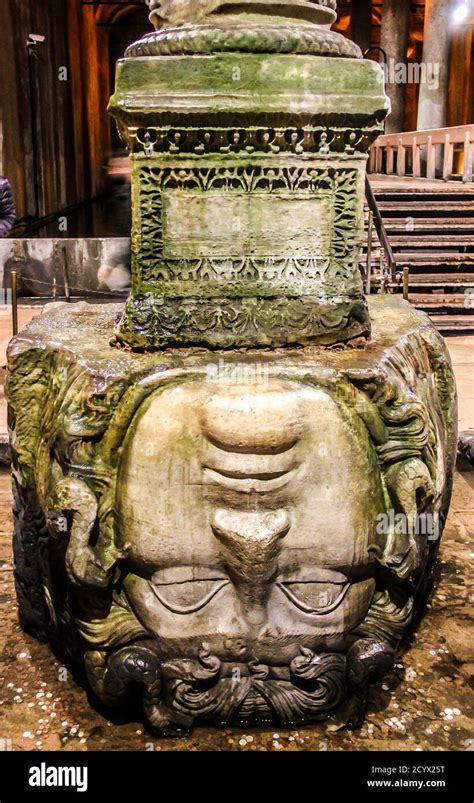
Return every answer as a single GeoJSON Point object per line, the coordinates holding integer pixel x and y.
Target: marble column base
{"type": "Point", "coordinates": [236, 537]}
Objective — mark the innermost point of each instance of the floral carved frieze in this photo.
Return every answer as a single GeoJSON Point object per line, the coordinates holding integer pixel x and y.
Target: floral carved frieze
{"type": "Point", "coordinates": [336, 189]}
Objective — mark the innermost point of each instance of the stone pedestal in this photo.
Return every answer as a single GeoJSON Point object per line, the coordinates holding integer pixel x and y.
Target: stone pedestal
{"type": "Point", "coordinates": [230, 537]}
{"type": "Point", "coordinates": [248, 163]}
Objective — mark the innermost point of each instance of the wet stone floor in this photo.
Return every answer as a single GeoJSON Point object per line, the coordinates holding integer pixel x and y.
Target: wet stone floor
{"type": "Point", "coordinates": [425, 704]}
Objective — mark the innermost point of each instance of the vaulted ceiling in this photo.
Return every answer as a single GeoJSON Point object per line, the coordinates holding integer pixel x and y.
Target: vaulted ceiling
{"type": "Point", "coordinates": [114, 13]}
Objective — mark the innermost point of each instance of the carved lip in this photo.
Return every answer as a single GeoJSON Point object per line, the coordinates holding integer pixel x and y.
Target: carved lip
{"type": "Point", "coordinates": [247, 482]}
{"type": "Point", "coordinates": [277, 445]}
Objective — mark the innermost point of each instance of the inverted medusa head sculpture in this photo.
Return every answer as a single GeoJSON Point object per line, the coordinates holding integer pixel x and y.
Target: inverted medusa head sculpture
{"type": "Point", "coordinates": [231, 548]}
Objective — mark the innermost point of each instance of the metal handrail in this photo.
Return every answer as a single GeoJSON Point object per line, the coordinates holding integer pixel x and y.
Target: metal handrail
{"type": "Point", "coordinates": [380, 226]}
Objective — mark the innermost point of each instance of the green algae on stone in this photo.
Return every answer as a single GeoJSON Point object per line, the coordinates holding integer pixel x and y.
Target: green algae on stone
{"type": "Point", "coordinates": [116, 480]}
{"type": "Point", "coordinates": [248, 174]}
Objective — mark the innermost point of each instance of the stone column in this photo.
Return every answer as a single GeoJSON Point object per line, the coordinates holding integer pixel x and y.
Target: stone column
{"type": "Point", "coordinates": [460, 76]}
{"type": "Point", "coordinates": [394, 41]}
{"type": "Point", "coordinates": [361, 23]}
{"type": "Point", "coordinates": [433, 99]}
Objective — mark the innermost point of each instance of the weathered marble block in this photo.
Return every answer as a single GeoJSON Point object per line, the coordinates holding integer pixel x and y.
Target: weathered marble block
{"type": "Point", "coordinates": [228, 537]}
{"type": "Point", "coordinates": [249, 126]}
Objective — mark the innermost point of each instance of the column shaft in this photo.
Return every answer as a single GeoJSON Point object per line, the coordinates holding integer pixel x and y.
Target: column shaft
{"type": "Point", "coordinates": [433, 99]}
{"type": "Point", "coordinates": [394, 41]}
{"type": "Point", "coordinates": [460, 77]}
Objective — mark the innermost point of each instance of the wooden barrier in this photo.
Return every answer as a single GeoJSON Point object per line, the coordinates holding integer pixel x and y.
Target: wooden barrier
{"type": "Point", "coordinates": [423, 147]}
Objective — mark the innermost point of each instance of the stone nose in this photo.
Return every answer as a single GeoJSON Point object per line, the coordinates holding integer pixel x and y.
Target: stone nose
{"type": "Point", "coordinates": [250, 544]}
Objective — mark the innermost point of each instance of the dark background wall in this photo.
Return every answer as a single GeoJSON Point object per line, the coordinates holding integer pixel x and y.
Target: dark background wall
{"type": "Point", "coordinates": [56, 133]}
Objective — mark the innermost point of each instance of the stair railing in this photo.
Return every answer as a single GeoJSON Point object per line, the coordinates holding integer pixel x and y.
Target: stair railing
{"type": "Point", "coordinates": [376, 221]}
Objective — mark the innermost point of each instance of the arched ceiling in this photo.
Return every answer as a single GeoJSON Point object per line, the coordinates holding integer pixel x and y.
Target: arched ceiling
{"type": "Point", "coordinates": [111, 14]}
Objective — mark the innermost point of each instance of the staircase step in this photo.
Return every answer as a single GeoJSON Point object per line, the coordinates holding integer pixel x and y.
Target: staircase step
{"type": "Point", "coordinates": [441, 240]}
{"type": "Point", "coordinates": [423, 207]}
{"type": "Point", "coordinates": [447, 324]}
{"type": "Point", "coordinates": [438, 271]}
{"type": "Point", "coordinates": [440, 280]}
{"type": "Point", "coordinates": [434, 259]}
{"type": "Point", "coordinates": [463, 196]}
{"type": "Point", "coordinates": [434, 224]}
{"type": "Point", "coordinates": [442, 300]}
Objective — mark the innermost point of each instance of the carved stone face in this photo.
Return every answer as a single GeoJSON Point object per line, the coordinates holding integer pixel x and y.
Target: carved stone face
{"type": "Point", "coordinates": [249, 511]}
{"type": "Point", "coordinates": [222, 536]}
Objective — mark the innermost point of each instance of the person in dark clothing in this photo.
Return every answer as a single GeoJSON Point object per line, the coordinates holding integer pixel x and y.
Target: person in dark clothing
{"type": "Point", "coordinates": [7, 207]}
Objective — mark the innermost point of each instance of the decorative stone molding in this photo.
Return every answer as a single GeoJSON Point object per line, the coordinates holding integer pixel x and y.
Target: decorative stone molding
{"type": "Point", "coordinates": [243, 38]}
{"type": "Point", "coordinates": [319, 142]}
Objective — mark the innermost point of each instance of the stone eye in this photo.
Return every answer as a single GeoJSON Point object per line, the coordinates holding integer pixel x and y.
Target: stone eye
{"type": "Point", "coordinates": [188, 596]}
{"type": "Point", "coordinates": [315, 597]}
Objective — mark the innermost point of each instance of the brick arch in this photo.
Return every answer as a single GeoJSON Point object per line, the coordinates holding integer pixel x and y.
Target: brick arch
{"type": "Point", "coordinates": [112, 14]}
